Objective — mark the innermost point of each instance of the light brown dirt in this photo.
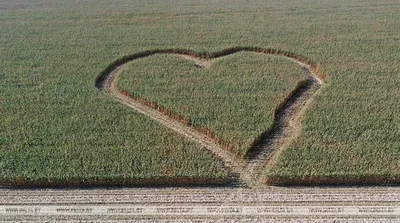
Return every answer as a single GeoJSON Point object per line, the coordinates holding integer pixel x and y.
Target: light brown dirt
{"type": "Point", "coordinates": [315, 204]}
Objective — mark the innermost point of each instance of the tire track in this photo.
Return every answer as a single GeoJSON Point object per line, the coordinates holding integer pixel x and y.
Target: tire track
{"type": "Point", "coordinates": [285, 129]}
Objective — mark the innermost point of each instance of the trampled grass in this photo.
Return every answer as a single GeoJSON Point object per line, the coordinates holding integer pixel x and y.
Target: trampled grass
{"type": "Point", "coordinates": [55, 124]}
{"type": "Point", "coordinates": [235, 98]}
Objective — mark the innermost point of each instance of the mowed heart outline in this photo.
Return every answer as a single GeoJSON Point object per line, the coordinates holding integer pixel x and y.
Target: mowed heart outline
{"type": "Point", "coordinates": [287, 117]}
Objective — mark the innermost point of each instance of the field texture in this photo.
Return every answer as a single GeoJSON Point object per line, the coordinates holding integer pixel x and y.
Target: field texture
{"type": "Point", "coordinates": [55, 126]}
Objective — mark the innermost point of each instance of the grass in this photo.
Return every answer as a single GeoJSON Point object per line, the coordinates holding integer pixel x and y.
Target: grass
{"type": "Point", "coordinates": [54, 124]}
{"type": "Point", "coordinates": [235, 98]}
{"type": "Point", "coordinates": [109, 143]}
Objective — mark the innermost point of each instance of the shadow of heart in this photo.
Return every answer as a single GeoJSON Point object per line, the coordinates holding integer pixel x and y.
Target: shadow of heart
{"type": "Point", "coordinates": [287, 117]}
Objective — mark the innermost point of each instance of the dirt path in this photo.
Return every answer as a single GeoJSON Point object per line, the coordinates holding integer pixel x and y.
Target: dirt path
{"type": "Point", "coordinates": [270, 204]}
{"type": "Point", "coordinates": [231, 162]}
{"type": "Point", "coordinates": [285, 129]}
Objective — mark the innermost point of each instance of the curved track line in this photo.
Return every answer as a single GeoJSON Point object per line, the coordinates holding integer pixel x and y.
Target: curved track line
{"type": "Point", "coordinates": [231, 162]}
{"type": "Point", "coordinates": [285, 129]}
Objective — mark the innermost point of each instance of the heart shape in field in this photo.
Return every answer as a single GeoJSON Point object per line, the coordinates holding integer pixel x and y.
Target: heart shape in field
{"type": "Point", "coordinates": [232, 98]}
{"type": "Point", "coordinates": [235, 97]}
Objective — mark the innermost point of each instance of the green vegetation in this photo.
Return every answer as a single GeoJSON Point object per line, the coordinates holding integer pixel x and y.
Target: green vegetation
{"type": "Point", "coordinates": [87, 140]}
{"type": "Point", "coordinates": [235, 98]}
{"type": "Point", "coordinates": [55, 125]}
{"type": "Point", "coordinates": [351, 134]}
{"type": "Point", "coordinates": [56, 128]}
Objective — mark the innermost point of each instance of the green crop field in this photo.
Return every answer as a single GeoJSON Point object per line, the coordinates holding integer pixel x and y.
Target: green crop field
{"type": "Point", "coordinates": [57, 128]}
{"type": "Point", "coordinates": [235, 98]}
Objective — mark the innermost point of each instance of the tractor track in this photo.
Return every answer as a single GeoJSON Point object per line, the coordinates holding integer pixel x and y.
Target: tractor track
{"type": "Point", "coordinates": [286, 126]}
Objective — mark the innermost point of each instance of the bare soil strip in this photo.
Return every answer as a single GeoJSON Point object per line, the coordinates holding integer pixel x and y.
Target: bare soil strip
{"type": "Point", "coordinates": [179, 195]}
{"type": "Point", "coordinates": [285, 129]}
{"type": "Point", "coordinates": [270, 204]}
